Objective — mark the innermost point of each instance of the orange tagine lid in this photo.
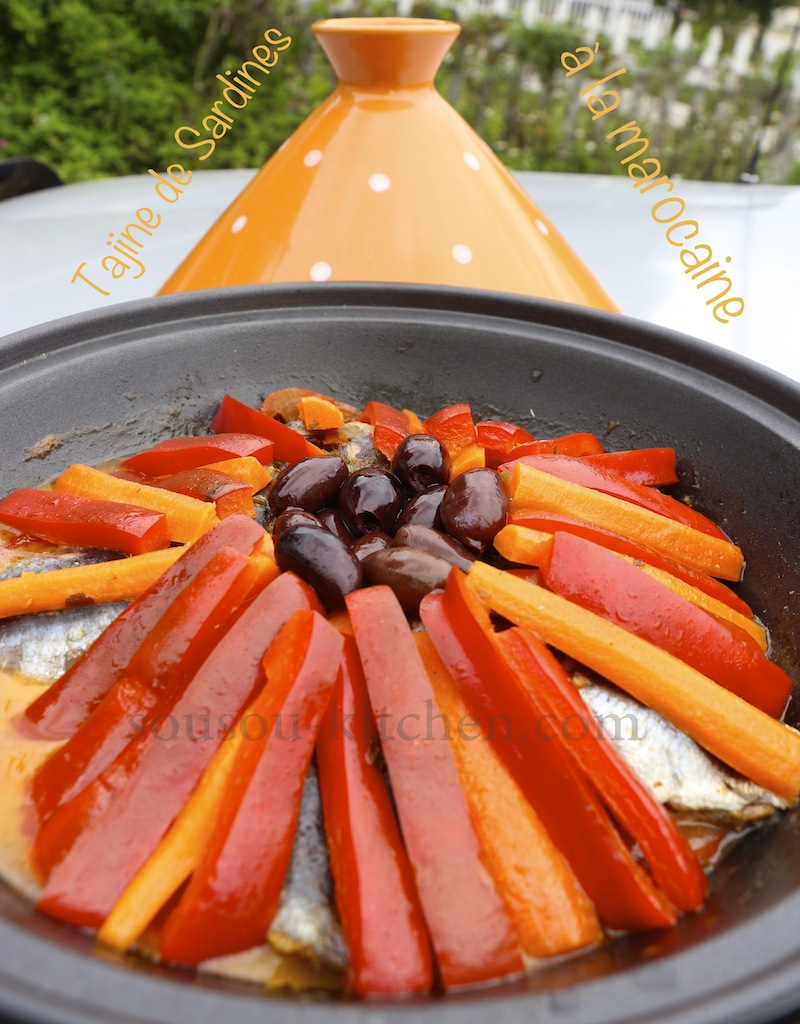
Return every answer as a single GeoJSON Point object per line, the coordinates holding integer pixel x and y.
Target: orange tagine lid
{"type": "Point", "coordinates": [386, 182]}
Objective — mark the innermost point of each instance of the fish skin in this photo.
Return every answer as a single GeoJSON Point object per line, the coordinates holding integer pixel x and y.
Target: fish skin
{"type": "Point", "coordinates": [352, 442]}
{"type": "Point", "coordinates": [677, 771]}
{"type": "Point", "coordinates": [46, 561]}
{"type": "Point", "coordinates": [43, 646]}
{"type": "Point", "coordinates": [356, 448]}
{"type": "Point", "coordinates": [306, 920]}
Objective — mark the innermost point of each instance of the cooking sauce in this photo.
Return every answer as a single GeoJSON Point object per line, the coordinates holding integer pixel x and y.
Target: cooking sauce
{"type": "Point", "coordinates": [20, 756]}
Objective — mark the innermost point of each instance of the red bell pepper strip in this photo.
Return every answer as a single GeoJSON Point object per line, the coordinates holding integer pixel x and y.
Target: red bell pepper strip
{"type": "Point", "coordinates": [195, 621]}
{"type": "Point", "coordinates": [535, 753]}
{"type": "Point", "coordinates": [498, 438]}
{"type": "Point", "coordinates": [177, 454]}
{"type": "Point", "coordinates": [64, 826]}
{"type": "Point", "coordinates": [86, 884]}
{"type": "Point", "coordinates": [391, 427]}
{"type": "Point", "coordinates": [551, 912]}
{"type": "Point", "coordinates": [651, 467]}
{"type": "Point", "coordinates": [136, 478]}
{"type": "Point", "coordinates": [551, 523]}
{"type": "Point", "coordinates": [109, 729]}
{"type": "Point", "coordinates": [470, 927]}
{"type": "Point", "coordinates": [231, 496]}
{"type": "Point", "coordinates": [615, 589]}
{"type": "Point", "coordinates": [234, 893]}
{"type": "Point", "coordinates": [62, 708]}
{"type": "Point", "coordinates": [453, 427]}
{"type": "Point", "coordinates": [288, 445]}
{"type": "Point", "coordinates": [668, 854]}
{"type": "Point", "coordinates": [84, 522]}
{"type": "Point", "coordinates": [578, 471]}
{"type": "Point", "coordinates": [379, 908]}
{"type": "Point", "coordinates": [170, 652]}
{"type": "Point", "coordinates": [762, 749]}
{"type": "Point", "coordinates": [576, 445]}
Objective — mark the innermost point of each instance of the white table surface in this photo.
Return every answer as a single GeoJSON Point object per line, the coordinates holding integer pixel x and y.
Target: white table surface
{"type": "Point", "coordinates": [44, 237]}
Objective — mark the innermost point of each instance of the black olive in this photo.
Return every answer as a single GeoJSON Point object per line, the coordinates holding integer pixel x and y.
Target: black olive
{"type": "Point", "coordinates": [293, 517]}
{"type": "Point", "coordinates": [310, 484]}
{"type": "Point", "coordinates": [473, 508]}
{"type": "Point", "coordinates": [370, 500]}
{"type": "Point", "coordinates": [423, 508]}
{"type": "Point", "coordinates": [410, 573]}
{"type": "Point", "coordinates": [370, 543]}
{"type": "Point", "coordinates": [332, 520]}
{"type": "Point", "coordinates": [321, 559]}
{"type": "Point", "coordinates": [422, 537]}
{"type": "Point", "coordinates": [420, 462]}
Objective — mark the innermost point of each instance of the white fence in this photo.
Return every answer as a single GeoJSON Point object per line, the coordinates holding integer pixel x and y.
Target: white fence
{"type": "Point", "coordinates": [625, 20]}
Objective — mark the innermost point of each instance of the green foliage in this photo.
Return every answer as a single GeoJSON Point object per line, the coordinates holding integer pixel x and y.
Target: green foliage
{"type": "Point", "coordinates": [726, 12]}
{"type": "Point", "coordinates": [98, 87]}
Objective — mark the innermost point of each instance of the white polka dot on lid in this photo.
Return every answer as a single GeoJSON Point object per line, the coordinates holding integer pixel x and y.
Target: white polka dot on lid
{"type": "Point", "coordinates": [540, 224]}
{"type": "Point", "coordinates": [312, 157]}
{"type": "Point", "coordinates": [462, 254]}
{"type": "Point", "coordinates": [472, 161]}
{"type": "Point", "coordinates": [320, 271]}
{"type": "Point", "coordinates": [379, 182]}
{"type": "Point", "coordinates": [238, 224]}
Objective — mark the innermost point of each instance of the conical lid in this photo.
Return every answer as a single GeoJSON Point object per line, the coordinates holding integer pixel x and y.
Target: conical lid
{"type": "Point", "coordinates": [386, 182]}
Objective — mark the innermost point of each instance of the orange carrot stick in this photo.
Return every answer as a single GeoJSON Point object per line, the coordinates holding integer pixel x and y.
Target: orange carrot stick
{"type": "Point", "coordinates": [176, 856]}
{"type": "Point", "coordinates": [187, 518]}
{"type": "Point", "coordinates": [471, 457]}
{"type": "Point", "coordinates": [533, 490]}
{"type": "Point", "coordinates": [705, 601]}
{"type": "Point", "coordinates": [318, 413]}
{"type": "Point", "coordinates": [758, 746]}
{"type": "Point", "coordinates": [121, 579]}
{"type": "Point", "coordinates": [743, 736]}
{"type": "Point", "coordinates": [414, 422]}
{"type": "Point", "coordinates": [522, 544]}
{"type": "Point", "coordinates": [550, 911]}
{"type": "Point", "coordinates": [246, 468]}
{"type": "Point", "coordinates": [230, 496]}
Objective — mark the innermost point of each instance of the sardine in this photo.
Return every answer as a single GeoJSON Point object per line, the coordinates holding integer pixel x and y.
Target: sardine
{"type": "Point", "coordinates": [306, 921]}
{"type": "Point", "coordinates": [43, 646]}
{"type": "Point", "coordinates": [50, 561]}
{"type": "Point", "coordinates": [674, 768]}
{"type": "Point", "coordinates": [353, 443]}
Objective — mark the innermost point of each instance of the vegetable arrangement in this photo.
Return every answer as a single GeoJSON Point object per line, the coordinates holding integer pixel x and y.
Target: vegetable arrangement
{"type": "Point", "coordinates": [476, 812]}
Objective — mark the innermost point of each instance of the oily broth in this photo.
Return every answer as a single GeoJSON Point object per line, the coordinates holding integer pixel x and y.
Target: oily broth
{"type": "Point", "coordinates": [20, 755]}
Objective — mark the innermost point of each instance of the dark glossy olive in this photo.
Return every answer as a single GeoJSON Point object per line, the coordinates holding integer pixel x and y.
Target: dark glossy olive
{"type": "Point", "coordinates": [370, 500]}
{"type": "Point", "coordinates": [294, 517]}
{"type": "Point", "coordinates": [473, 508]}
{"type": "Point", "coordinates": [332, 520]}
{"type": "Point", "coordinates": [410, 573]}
{"type": "Point", "coordinates": [321, 559]}
{"type": "Point", "coordinates": [370, 543]}
{"type": "Point", "coordinates": [423, 508]}
{"type": "Point", "coordinates": [422, 537]}
{"type": "Point", "coordinates": [420, 462]}
{"type": "Point", "coordinates": [310, 484]}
